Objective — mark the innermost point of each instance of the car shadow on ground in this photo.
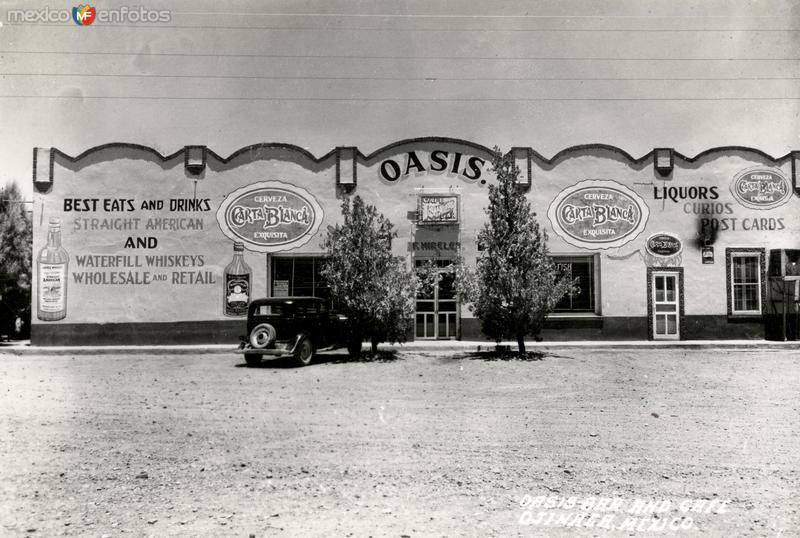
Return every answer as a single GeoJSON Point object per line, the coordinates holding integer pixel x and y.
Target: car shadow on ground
{"type": "Point", "coordinates": [334, 357]}
{"type": "Point", "coordinates": [382, 355]}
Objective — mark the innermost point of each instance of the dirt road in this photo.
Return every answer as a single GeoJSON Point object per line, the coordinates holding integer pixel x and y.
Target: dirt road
{"type": "Point", "coordinates": [419, 444]}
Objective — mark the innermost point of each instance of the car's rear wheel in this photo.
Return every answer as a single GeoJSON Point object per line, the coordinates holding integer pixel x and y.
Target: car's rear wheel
{"type": "Point", "coordinates": [252, 360]}
{"type": "Point", "coordinates": [304, 352]}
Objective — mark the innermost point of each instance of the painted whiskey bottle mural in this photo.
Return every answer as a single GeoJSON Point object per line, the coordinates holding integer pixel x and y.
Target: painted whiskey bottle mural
{"type": "Point", "coordinates": [237, 284]}
{"type": "Point", "coordinates": [52, 263]}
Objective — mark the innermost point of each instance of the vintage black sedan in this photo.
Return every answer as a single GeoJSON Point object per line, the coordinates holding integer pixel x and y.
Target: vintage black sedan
{"type": "Point", "coordinates": [296, 326]}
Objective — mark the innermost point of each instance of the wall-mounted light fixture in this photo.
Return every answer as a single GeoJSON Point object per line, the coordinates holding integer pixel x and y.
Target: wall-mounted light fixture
{"type": "Point", "coordinates": [43, 159]}
{"type": "Point", "coordinates": [346, 167]}
{"type": "Point", "coordinates": [195, 159]}
{"type": "Point", "coordinates": [522, 159]}
{"type": "Point", "coordinates": [664, 160]}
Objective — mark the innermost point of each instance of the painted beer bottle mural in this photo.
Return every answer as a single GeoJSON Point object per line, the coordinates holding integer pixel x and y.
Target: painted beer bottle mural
{"type": "Point", "coordinates": [237, 284]}
{"type": "Point", "coordinates": [52, 269]}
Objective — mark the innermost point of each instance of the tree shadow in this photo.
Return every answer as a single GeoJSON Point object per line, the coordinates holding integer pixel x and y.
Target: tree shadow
{"type": "Point", "coordinates": [490, 356]}
{"type": "Point", "coordinates": [508, 355]}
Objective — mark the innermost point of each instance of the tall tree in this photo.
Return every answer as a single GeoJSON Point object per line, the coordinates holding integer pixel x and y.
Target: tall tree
{"type": "Point", "coordinates": [373, 288]}
{"type": "Point", "coordinates": [516, 281]}
{"type": "Point", "coordinates": [15, 257]}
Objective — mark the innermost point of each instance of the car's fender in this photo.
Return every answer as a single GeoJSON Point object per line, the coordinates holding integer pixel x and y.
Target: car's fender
{"type": "Point", "coordinates": [299, 338]}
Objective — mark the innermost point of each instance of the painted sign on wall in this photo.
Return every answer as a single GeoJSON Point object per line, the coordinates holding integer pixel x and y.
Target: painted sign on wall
{"type": "Point", "coordinates": [270, 216]}
{"type": "Point", "coordinates": [761, 188]}
{"type": "Point", "coordinates": [598, 214]}
{"type": "Point", "coordinates": [663, 245]}
{"type": "Point", "coordinates": [100, 255]}
{"type": "Point", "coordinates": [439, 161]}
{"type": "Point", "coordinates": [438, 209]}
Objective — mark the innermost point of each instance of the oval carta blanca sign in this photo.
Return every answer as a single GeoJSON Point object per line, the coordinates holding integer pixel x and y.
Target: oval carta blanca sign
{"type": "Point", "coordinates": [761, 188]}
{"type": "Point", "coordinates": [664, 245]}
{"type": "Point", "coordinates": [598, 214]}
{"type": "Point", "coordinates": [270, 216]}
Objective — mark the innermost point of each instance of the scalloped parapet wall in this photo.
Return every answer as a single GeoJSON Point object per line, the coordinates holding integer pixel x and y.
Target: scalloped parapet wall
{"type": "Point", "coordinates": [347, 157]}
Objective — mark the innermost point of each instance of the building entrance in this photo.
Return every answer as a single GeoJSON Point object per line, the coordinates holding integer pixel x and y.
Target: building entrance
{"type": "Point", "coordinates": [436, 314]}
{"type": "Point", "coordinates": [666, 305]}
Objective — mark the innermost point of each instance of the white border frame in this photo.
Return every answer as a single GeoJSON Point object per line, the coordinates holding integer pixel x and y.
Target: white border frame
{"type": "Point", "coordinates": [666, 272]}
{"type": "Point", "coordinates": [456, 222]}
{"type": "Point", "coordinates": [319, 216]}
{"type": "Point", "coordinates": [644, 209]}
{"type": "Point", "coordinates": [746, 254]}
{"type": "Point", "coordinates": [750, 205]}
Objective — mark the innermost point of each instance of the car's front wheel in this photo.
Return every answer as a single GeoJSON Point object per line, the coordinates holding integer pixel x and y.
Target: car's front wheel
{"type": "Point", "coordinates": [304, 352]}
{"type": "Point", "coordinates": [252, 359]}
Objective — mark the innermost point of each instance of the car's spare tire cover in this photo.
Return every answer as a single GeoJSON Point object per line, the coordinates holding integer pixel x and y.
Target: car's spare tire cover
{"type": "Point", "coordinates": [262, 335]}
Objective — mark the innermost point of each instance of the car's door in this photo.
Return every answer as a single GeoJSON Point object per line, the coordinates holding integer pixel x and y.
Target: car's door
{"type": "Point", "coordinates": [324, 329]}
{"type": "Point", "coordinates": [339, 328]}
{"type": "Point", "coordinates": [332, 330]}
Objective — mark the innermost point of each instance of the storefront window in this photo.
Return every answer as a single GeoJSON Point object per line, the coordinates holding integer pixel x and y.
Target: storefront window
{"type": "Point", "coordinates": [298, 277]}
{"type": "Point", "coordinates": [745, 268]}
{"type": "Point", "coordinates": [582, 268]}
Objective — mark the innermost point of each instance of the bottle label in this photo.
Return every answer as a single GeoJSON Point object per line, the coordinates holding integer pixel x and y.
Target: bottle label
{"type": "Point", "coordinates": [237, 294]}
{"type": "Point", "coordinates": [52, 281]}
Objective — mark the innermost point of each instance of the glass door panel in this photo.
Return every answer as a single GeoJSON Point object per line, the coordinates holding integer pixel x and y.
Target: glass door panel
{"type": "Point", "coordinates": [436, 315]}
{"type": "Point", "coordinates": [666, 307]}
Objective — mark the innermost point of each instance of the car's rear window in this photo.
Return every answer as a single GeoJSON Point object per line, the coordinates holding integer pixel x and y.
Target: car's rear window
{"type": "Point", "coordinates": [288, 309]}
{"type": "Point", "coordinates": [272, 310]}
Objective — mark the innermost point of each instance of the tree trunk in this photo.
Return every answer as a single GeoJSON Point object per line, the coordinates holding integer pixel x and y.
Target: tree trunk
{"type": "Point", "coordinates": [521, 343]}
{"type": "Point", "coordinates": [374, 346]}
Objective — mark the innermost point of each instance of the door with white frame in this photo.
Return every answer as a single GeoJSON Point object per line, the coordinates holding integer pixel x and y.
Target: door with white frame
{"type": "Point", "coordinates": [436, 313]}
{"type": "Point", "coordinates": [666, 307]}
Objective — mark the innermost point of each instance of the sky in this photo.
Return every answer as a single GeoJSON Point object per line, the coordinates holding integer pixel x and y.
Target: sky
{"type": "Point", "coordinates": [319, 74]}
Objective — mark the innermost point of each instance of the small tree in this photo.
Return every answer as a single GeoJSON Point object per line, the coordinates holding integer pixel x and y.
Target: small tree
{"type": "Point", "coordinates": [373, 288]}
{"type": "Point", "coordinates": [516, 282]}
{"type": "Point", "coordinates": [15, 258]}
